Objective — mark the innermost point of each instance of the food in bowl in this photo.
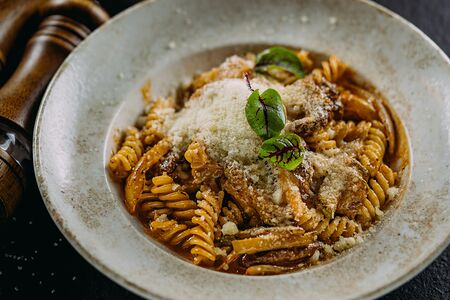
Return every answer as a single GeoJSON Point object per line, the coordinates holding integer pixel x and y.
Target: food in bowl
{"type": "Point", "coordinates": [266, 164]}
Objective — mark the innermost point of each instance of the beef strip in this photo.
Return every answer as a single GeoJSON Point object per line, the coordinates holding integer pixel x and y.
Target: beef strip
{"type": "Point", "coordinates": [284, 257]}
{"type": "Point", "coordinates": [309, 106]}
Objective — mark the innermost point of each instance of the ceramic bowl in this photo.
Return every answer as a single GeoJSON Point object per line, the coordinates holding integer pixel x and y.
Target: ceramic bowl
{"type": "Point", "coordinates": [96, 92]}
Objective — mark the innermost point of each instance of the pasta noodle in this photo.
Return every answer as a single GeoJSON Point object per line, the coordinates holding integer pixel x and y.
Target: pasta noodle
{"type": "Point", "coordinates": [128, 155]}
{"type": "Point", "coordinates": [268, 270]}
{"type": "Point", "coordinates": [307, 62]}
{"type": "Point", "coordinates": [374, 148]}
{"type": "Point", "coordinates": [151, 207]}
{"type": "Point", "coordinates": [203, 235]}
{"type": "Point", "coordinates": [332, 70]}
{"type": "Point", "coordinates": [233, 67]}
{"type": "Point", "coordinates": [152, 131]}
{"type": "Point", "coordinates": [285, 239]}
{"type": "Point", "coordinates": [135, 183]}
{"type": "Point", "coordinates": [376, 196]}
{"type": "Point", "coordinates": [336, 132]}
{"type": "Point", "coordinates": [170, 231]}
{"type": "Point", "coordinates": [175, 200]}
{"type": "Point", "coordinates": [355, 106]}
{"type": "Point", "coordinates": [192, 175]}
{"type": "Point", "coordinates": [311, 220]}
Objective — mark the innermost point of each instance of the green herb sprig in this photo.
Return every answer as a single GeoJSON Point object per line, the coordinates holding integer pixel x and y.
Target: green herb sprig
{"type": "Point", "coordinates": [279, 58]}
{"type": "Point", "coordinates": [265, 112]}
{"type": "Point", "coordinates": [266, 115]}
{"type": "Point", "coordinates": [285, 150]}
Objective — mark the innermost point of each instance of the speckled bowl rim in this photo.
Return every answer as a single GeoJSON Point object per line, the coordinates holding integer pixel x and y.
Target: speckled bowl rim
{"type": "Point", "coordinates": [117, 277]}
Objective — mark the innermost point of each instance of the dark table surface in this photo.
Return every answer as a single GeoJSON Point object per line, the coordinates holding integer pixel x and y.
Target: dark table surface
{"type": "Point", "coordinates": [36, 262]}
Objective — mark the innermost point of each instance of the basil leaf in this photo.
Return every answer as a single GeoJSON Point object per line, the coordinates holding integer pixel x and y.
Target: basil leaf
{"type": "Point", "coordinates": [279, 58]}
{"type": "Point", "coordinates": [265, 113]}
{"type": "Point", "coordinates": [284, 150]}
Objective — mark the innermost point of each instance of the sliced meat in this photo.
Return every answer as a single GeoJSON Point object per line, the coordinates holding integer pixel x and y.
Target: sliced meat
{"type": "Point", "coordinates": [284, 257]}
{"type": "Point", "coordinates": [254, 202]}
{"type": "Point", "coordinates": [342, 185]}
{"type": "Point", "coordinates": [258, 231]}
{"type": "Point", "coordinates": [304, 174]}
{"type": "Point", "coordinates": [350, 201]}
{"type": "Point", "coordinates": [310, 106]}
{"type": "Point", "coordinates": [169, 163]}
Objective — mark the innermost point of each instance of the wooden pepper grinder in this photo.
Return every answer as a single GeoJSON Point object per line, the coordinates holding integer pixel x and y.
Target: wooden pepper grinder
{"type": "Point", "coordinates": [56, 37]}
{"type": "Point", "coordinates": [20, 18]}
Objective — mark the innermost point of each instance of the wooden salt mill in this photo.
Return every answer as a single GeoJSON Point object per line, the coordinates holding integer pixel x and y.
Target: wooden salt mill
{"type": "Point", "coordinates": [64, 25]}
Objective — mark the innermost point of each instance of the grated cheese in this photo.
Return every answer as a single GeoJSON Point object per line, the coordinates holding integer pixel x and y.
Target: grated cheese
{"type": "Point", "coordinates": [162, 218]}
{"type": "Point", "coordinates": [220, 252]}
{"type": "Point", "coordinates": [277, 196]}
{"type": "Point", "coordinates": [328, 249]}
{"type": "Point", "coordinates": [342, 186]}
{"type": "Point", "coordinates": [230, 228]}
{"type": "Point", "coordinates": [346, 243]}
{"type": "Point", "coordinates": [216, 117]}
{"type": "Point", "coordinates": [378, 212]}
{"type": "Point", "coordinates": [392, 192]}
{"type": "Point", "coordinates": [315, 257]}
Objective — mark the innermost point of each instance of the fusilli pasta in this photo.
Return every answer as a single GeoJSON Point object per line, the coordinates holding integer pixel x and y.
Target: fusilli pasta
{"type": "Point", "coordinates": [128, 155]}
{"type": "Point", "coordinates": [332, 70]}
{"type": "Point", "coordinates": [175, 200]}
{"type": "Point", "coordinates": [152, 131]}
{"type": "Point", "coordinates": [336, 132]}
{"type": "Point", "coordinates": [203, 235]}
{"type": "Point", "coordinates": [217, 205]}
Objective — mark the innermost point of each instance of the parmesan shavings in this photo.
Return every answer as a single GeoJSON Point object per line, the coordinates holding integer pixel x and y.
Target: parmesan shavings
{"type": "Point", "coordinates": [162, 218]}
{"type": "Point", "coordinates": [347, 243]}
{"type": "Point", "coordinates": [216, 116]}
{"type": "Point", "coordinates": [392, 192]}
{"type": "Point", "coordinates": [220, 252]}
{"type": "Point", "coordinates": [230, 228]}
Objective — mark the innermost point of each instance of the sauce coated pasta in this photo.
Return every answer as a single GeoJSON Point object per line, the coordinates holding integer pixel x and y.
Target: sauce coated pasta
{"type": "Point", "coordinates": [193, 174]}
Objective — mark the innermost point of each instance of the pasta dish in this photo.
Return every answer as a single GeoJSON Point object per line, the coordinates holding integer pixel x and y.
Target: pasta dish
{"type": "Point", "coordinates": [266, 164]}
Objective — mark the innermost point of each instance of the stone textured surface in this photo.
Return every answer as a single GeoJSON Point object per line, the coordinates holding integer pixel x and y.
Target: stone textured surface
{"type": "Point", "coordinates": [433, 18]}
{"type": "Point", "coordinates": [36, 261]}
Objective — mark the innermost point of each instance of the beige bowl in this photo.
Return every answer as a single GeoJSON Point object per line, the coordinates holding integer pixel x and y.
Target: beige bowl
{"type": "Point", "coordinates": [96, 91]}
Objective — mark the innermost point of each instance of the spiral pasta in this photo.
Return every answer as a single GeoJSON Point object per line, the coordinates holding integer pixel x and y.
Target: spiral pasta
{"type": "Point", "coordinates": [233, 67]}
{"type": "Point", "coordinates": [151, 207]}
{"type": "Point", "coordinates": [331, 229]}
{"type": "Point", "coordinates": [135, 183]}
{"type": "Point", "coordinates": [306, 61]}
{"type": "Point", "coordinates": [152, 131]}
{"type": "Point", "coordinates": [374, 148]}
{"type": "Point", "coordinates": [172, 198]}
{"type": "Point", "coordinates": [196, 156]}
{"type": "Point", "coordinates": [128, 155]}
{"type": "Point", "coordinates": [204, 171]}
{"type": "Point", "coordinates": [170, 231]}
{"type": "Point", "coordinates": [214, 201]}
{"type": "Point", "coordinates": [377, 193]}
{"type": "Point", "coordinates": [327, 229]}
{"type": "Point", "coordinates": [203, 235]}
{"type": "Point", "coordinates": [332, 70]}
{"type": "Point", "coordinates": [336, 132]}
{"type": "Point", "coordinates": [357, 107]}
